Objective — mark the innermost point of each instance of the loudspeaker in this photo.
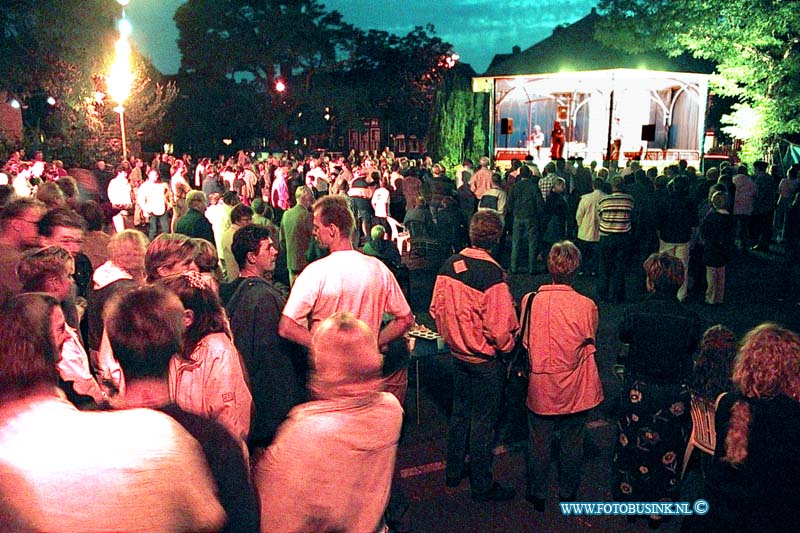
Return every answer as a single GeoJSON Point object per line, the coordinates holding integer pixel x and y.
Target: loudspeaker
{"type": "Point", "coordinates": [649, 132]}
{"type": "Point", "coordinates": [506, 126]}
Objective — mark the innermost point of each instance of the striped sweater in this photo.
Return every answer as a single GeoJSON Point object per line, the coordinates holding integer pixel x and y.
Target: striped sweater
{"type": "Point", "coordinates": [614, 213]}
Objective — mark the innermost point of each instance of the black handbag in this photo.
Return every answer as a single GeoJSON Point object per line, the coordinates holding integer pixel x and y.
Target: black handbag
{"type": "Point", "coordinates": [512, 422]}
{"type": "Point", "coordinates": [517, 362]}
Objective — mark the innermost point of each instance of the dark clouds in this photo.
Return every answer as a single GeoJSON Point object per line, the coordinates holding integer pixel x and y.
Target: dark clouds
{"type": "Point", "coordinates": [477, 29]}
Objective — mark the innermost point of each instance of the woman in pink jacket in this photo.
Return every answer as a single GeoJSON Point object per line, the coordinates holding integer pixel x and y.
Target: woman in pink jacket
{"type": "Point", "coordinates": [207, 378]}
{"type": "Point", "coordinates": [564, 383]}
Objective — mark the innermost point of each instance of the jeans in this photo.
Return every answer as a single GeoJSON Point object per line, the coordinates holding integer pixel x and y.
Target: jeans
{"type": "Point", "coordinates": [477, 389]}
{"type": "Point", "coordinates": [572, 429]}
{"type": "Point", "coordinates": [588, 256]}
{"type": "Point", "coordinates": [613, 251]}
{"type": "Point", "coordinates": [522, 229]}
{"type": "Point", "coordinates": [158, 224]}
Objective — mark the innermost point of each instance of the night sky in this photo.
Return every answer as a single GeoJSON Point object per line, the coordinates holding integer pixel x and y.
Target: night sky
{"type": "Point", "coordinates": [477, 29]}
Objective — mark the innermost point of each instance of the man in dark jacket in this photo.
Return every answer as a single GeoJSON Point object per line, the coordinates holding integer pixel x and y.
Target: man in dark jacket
{"type": "Point", "coordinates": [275, 366]}
{"type": "Point", "coordinates": [763, 206]}
{"type": "Point", "coordinates": [677, 221]}
{"type": "Point", "coordinates": [525, 206]}
{"type": "Point", "coordinates": [194, 223]}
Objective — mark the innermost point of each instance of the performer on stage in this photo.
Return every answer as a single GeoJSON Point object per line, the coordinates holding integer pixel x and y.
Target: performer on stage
{"type": "Point", "coordinates": [556, 141]}
{"type": "Point", "coordinates": [536, 142]}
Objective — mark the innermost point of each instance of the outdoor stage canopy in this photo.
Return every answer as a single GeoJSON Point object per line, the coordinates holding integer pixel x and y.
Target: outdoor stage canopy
{"type": "Point", "coordinates": [646, 106]}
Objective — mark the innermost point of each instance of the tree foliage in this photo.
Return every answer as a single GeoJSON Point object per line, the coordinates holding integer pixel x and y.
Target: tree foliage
{"type": "Point", "coordinates": [260, 39]}
{"type": "Point", "coordinates": [460, 120]}
{"type": "Point", "coordinates": [62, 49]}
{"type": "Point", "coordinates": [755, 44]}
{"type": "Point", "coordinates": [47, 43]}
{"type": "Point", "coordinates": [243, 46]}
{"type": "Point", "coordinates": [402, 74]}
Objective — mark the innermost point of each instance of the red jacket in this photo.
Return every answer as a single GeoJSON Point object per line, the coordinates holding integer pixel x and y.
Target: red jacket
{"type": "Point", "coordinates": [473, 307]}
{"type": "Point", "coordinates": [561, 343]}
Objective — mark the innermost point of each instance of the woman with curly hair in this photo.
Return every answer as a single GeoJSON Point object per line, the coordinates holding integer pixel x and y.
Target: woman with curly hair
{"type": "Point", "coordinates": [207, 377]}
{"type": "Point", "coordinates": [654, 419]}
{"type": "Point", "coordinates": [752, 483]}
{"type": "Point", "coordinates": [714, 366]}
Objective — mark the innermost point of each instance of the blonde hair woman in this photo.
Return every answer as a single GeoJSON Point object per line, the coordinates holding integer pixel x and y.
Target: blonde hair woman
{"type": "Point", "coordinates": [564, 382]}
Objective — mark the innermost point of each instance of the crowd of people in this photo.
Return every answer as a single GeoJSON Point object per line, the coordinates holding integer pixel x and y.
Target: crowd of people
{"type": "Point", "coordinates": [222, 344]}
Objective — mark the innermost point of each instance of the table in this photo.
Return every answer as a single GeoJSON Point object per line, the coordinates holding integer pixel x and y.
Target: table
{"type": "Point", "coordinates": [423, 342]}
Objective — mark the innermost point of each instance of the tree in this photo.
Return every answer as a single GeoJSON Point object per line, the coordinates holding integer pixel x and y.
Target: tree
{"type": "Point", "coordinates": [46, 43]}
{"type": "Point", "coordinates": [460, 120]}
{"type": "Point", "coordinates": [259, 40]}
{"type": "Point", "coordinates": [62, 49]}
{"type": "Point", "coordinates": [754, 43]}
{"type": "Point", "coordinates": [244, 46]}
{"type": "Point", "coordinates": [402, 74]}
{"type": "Point", "coordinates": [145, 108]}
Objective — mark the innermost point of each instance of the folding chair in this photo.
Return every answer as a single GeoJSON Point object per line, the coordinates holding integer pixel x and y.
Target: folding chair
{"type": "Point", "coordinates": [400, 236]}
{"type": "Point", "coordinates": [703, 436]}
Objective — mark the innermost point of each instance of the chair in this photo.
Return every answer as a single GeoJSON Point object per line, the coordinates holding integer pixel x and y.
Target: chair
{"type": "Point", "coordinates": [703, 436]}
{"type": "Point", "coordinates": [400, 236]}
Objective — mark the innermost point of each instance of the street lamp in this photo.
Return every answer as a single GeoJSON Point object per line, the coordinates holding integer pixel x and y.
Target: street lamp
{"type": "Point", "coordinates": [120, 78]}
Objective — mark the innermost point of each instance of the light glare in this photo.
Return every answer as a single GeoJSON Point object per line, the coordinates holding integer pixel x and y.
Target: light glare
{"type": "Point", "coordinates": [125, 27]}
{"type": "Point", "coordinates": [120, 78]}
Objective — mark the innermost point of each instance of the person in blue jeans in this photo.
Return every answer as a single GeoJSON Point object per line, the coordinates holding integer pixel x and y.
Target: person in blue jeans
{"type": "Point", "coordinates": [153, 198]}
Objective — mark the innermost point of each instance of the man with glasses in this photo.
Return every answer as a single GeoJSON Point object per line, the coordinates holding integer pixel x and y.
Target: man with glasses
{"type": "Point", "coordinates": [18, 231]}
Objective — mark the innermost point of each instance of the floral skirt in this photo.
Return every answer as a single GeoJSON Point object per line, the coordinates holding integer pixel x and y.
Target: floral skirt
{"type": "Point", "coordinates": [653, 428]}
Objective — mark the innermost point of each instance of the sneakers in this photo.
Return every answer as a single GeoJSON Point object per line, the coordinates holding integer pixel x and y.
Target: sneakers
{"type": "Point", "coordinates": [498, 493]}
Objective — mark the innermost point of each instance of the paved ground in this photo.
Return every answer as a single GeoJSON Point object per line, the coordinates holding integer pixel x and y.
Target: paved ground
{"type": "Point", "coordinates": [751, 298]}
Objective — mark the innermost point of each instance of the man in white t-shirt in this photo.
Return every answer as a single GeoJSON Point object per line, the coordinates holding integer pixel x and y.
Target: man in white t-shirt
{"type": "Point", "coordinates": [121, 197]}
{"type": "Point", "coordinates": [345, 280]}
{"type": "Point", "coordinates": [152, 198]}
{"type": "Point", "coordinates": [317, 178]}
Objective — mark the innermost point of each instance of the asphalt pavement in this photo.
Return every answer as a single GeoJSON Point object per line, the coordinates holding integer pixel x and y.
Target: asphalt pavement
{"type": "Point", "coordinates": [752, 294]}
